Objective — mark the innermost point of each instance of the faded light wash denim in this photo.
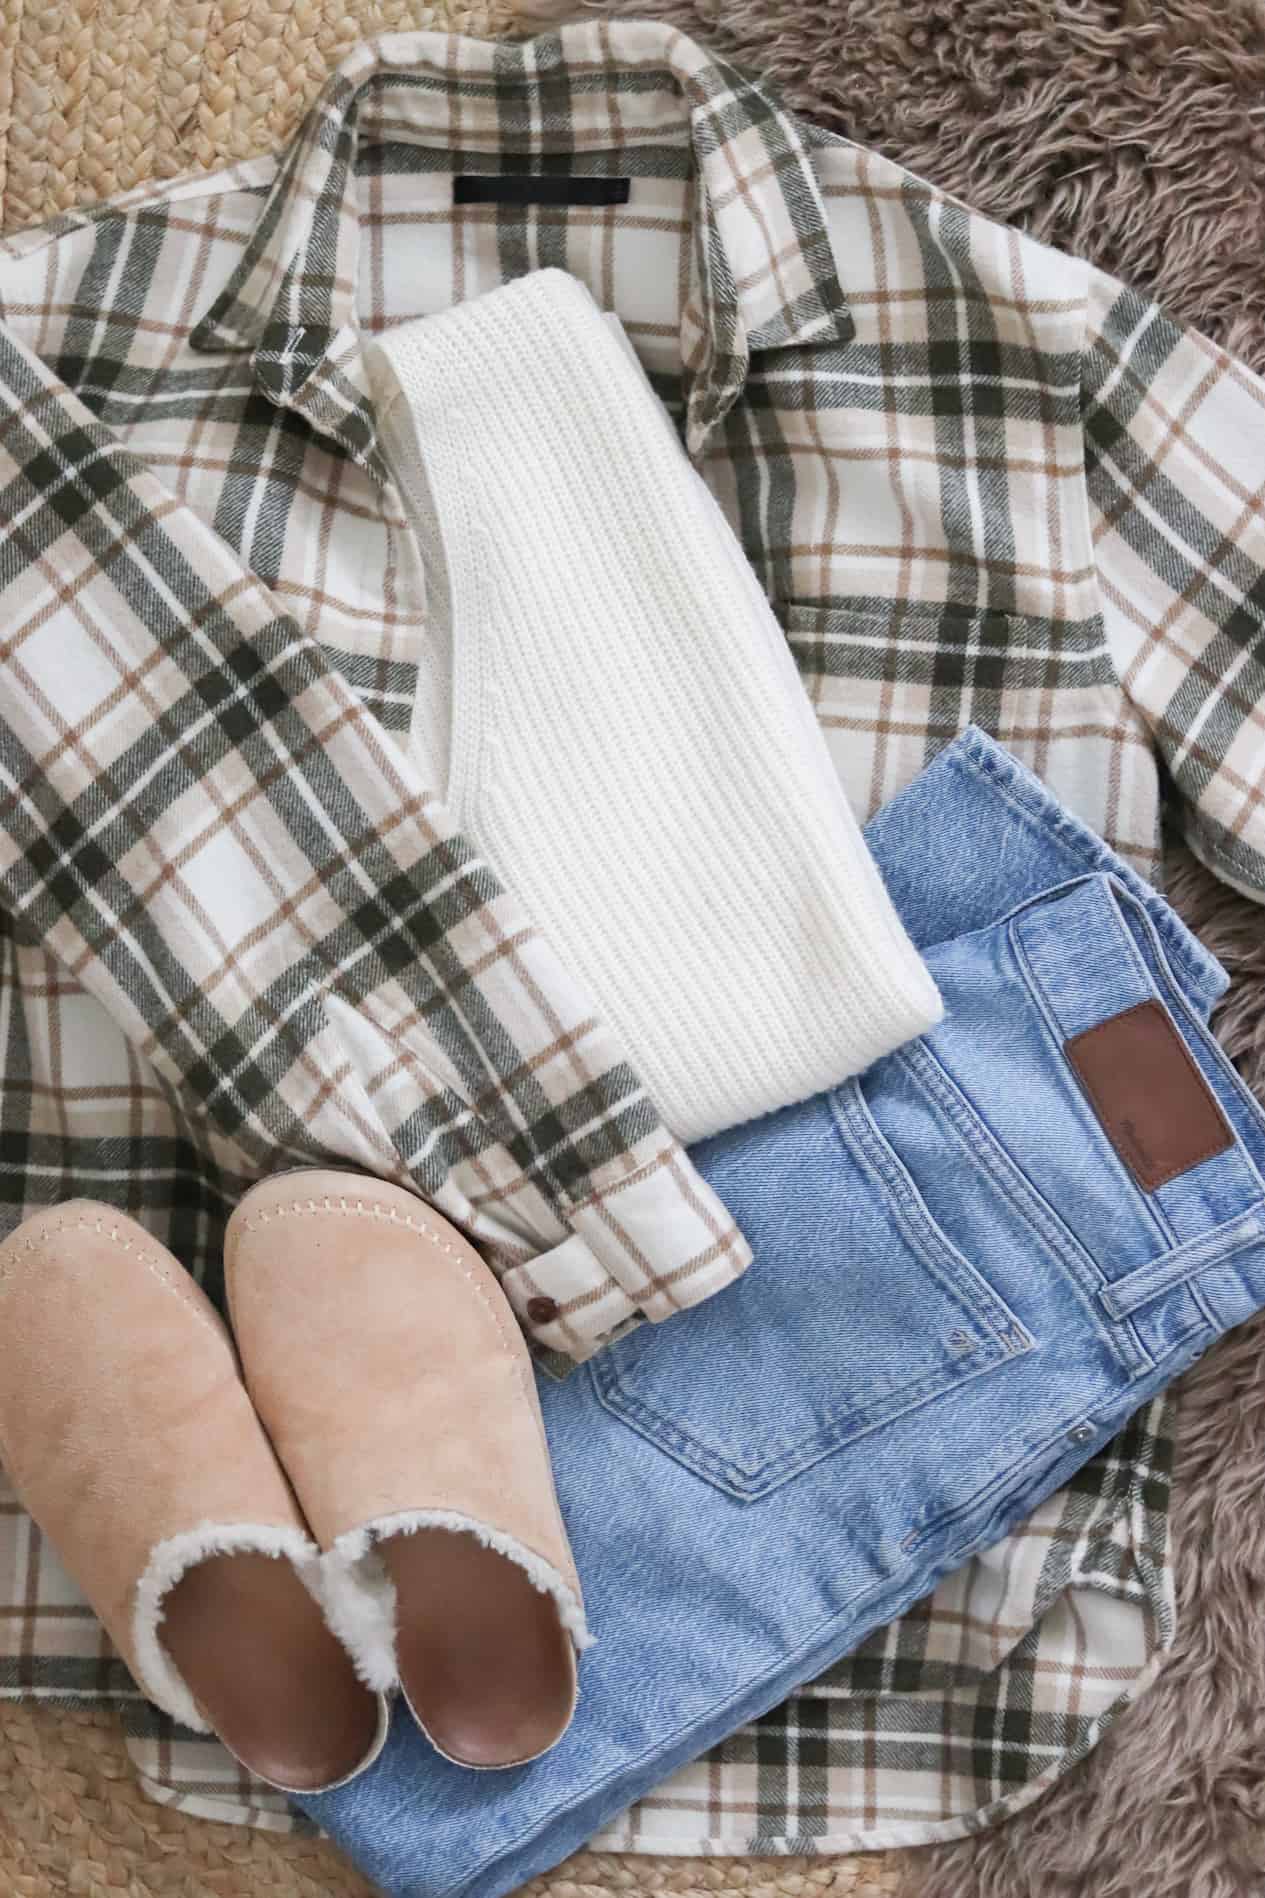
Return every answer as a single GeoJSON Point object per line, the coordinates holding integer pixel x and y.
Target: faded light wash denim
{"type": "Point", "coordinates": [959, 1293]}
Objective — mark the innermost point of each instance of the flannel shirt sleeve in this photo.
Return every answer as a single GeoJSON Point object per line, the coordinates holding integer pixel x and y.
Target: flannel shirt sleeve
{"type": "Point", "coordinates": [205, 826]}
{"type": "Point", "coordinates": [1175, 471]}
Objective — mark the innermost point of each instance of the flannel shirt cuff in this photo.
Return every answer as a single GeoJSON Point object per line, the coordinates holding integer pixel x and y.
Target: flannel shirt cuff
{"type": "Point", "coordinates": [645, 1247]}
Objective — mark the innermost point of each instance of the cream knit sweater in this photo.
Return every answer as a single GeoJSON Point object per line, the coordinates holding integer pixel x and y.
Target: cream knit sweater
{"type": "Point", "coordinates": [612, 711]}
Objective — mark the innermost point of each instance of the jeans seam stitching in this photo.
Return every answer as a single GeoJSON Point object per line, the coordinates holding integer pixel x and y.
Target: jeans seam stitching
{"type": "Point", "coordinates": [992, 1154]}
{"type": "Point", "coordinates": [1066, 1249]}
{"type": "Point", "coordinates": [1198, 1028]}
{"type": "Point", "coordinates": [770, 1474]}
{"type": "Point", "coordinates": [1250, 1240]}
{"type": "Point", "coordinates": [933, 1246]}
{"type": "Point", "coordinates": [1045, 821]}
{"type": "Point", "coordinates": [1036, 987]}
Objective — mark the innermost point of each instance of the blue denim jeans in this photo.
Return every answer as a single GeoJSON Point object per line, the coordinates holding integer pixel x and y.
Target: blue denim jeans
{"type": "Point", "coordinates": [960, 1291]}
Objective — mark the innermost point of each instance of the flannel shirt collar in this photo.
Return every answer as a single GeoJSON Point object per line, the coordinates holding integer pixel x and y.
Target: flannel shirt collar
{"type": "Point", "coordinates": [764, 274]}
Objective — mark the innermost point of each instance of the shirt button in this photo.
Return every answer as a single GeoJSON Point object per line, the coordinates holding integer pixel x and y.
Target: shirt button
{"type": "Point", "coordinates": [1083, 1433]}
{"type": "Point", "coordinates": [542, 1311]}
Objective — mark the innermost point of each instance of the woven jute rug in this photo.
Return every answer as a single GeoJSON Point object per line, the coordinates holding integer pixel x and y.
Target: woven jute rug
{"type": "Point", "coordinates": [74, 1821]}
{"type": "Point", "coordinates": [1131, 131]}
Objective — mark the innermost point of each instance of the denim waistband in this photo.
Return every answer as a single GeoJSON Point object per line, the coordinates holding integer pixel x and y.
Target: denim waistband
{"type": "Point", "coordinates": [1092, 950]}
{"type": "Point", "coordinates": [1197, 969]}
{"type": "Point", "coordinates": [1005, 837]}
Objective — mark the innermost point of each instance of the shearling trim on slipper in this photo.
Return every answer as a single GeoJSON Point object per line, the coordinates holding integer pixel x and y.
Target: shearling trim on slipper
{"type": "Point", "coordinates": [359, 1602]}
{"type": "Point", "coordinates": [356, 1578]}
{"type": "Point", "coordinates": [156, 1672]}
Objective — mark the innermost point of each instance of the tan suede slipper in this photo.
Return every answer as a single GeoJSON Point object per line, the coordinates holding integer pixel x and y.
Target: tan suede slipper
{"type": "Point", "coordinates": [386, 1364]}
{"type": "Point", "coordinates": [128, 1435]}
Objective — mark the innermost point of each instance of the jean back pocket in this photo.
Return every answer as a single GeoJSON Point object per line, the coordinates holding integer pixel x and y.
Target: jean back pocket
{"type": "Point", "coordinates": [857, 1308]}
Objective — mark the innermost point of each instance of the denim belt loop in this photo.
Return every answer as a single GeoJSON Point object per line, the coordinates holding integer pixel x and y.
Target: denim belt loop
{"type": "Point", "coordinates": [1080, 958]}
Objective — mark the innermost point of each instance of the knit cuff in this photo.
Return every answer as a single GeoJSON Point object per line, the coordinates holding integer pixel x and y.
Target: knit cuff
{"type": "Point", "coordinates": [649, 1245]}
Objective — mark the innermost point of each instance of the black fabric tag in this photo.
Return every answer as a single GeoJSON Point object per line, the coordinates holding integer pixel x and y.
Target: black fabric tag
{"type": "Point", "coordinates": [538, 188]}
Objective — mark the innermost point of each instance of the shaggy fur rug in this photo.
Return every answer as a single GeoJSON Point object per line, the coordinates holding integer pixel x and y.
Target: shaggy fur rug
{"type": "Point", "coordinates": [1131, 132]}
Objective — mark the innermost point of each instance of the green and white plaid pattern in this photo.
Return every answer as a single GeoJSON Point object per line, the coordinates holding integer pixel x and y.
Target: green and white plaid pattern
{"type": "Point", "coordinates": [979, 482]}
{"type": "Point", "coordinates": [205, 826]}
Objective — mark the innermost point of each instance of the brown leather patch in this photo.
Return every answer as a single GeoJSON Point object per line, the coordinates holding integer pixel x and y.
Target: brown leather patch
{"type": "Point", "coordinates": [1155, 1106]}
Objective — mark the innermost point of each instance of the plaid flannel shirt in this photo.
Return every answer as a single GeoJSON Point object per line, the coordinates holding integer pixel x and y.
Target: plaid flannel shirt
{"type": "Point", "coordinates": [979, 480]}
